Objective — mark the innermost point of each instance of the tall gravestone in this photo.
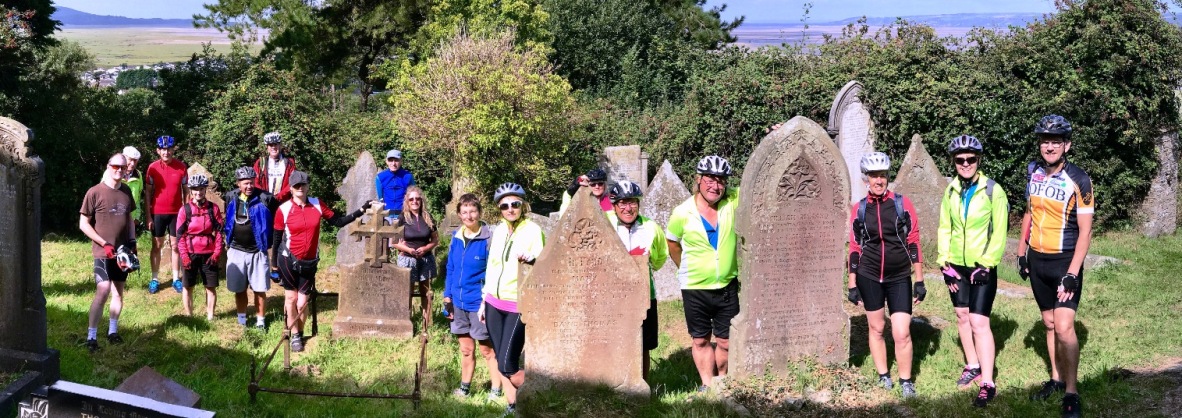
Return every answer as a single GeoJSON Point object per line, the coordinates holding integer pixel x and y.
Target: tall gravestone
{"type": "Point", "coordinates": [1160, 208]}
{"type": "Point", "coordinates": [664, 193]}
{"type": "Point", "coordinates": [625, 163]}
{"type": "Point", "coordinates": [919, 179]}
{"type": "Point", "coordinates": [853, 131]}
{"type": "Point", "coordinates": [24, 351]}
{"type": "Point", "coordinates": [584, 301]}
{"type": "Point", "coordinates": [375, 294]}
{"type": "Point", "coordinates": [793, 209]}
{"type": "Point", "coordinates": [355, 190]}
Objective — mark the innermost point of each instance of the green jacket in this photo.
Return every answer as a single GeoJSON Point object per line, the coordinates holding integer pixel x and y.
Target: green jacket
{"type": "Point", "coordinates": [978, 237]}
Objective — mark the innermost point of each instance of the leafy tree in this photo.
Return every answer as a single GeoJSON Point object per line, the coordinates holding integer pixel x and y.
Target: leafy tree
{"type": "Point", "coordinates": [139, 78]}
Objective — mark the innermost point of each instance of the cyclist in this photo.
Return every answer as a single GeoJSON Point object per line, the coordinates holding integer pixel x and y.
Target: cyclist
{"type": "Point", "coordinates": [274, 169]}
{"type": "Point", "coordinates": [393, 183]}
{"type": "Point", "coordinates": [642, 237]}
{"type": "Point", "coordinates": [467, 262]}
{"type": "Point", "coordinates": [1056, 234]}
{"type": "Point", "coordinates": [702, 242]}
{"type": "Point", "coordinates": [249, 213]}
{"type": "Point", "coordinates": [199, 240]}
{"type": "Point", "coordinates": [515, 240]}
{"type": "Point", "coordinates": [419, 238]}
{"type": "Point", "coordinates": [596, 179]}
{"type": "Point", "coordinates": [135, 181]}
{"type": "Point", "coordinates": [884, 256]}
{"type": "Point", "coordinates": [106, 219]}
{"type": "Point", "coordinates": [165, 181]}
{"type": "Point", "coordinates": [974, 214]}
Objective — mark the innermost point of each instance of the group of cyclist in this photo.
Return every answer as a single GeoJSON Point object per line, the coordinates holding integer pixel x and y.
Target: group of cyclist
{"type": "Point", "coordinates": [272, 225]}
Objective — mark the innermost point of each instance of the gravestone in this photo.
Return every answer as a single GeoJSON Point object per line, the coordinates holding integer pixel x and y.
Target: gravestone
{"type": "Point", "coordinates": [792, 213]}
{"type": "Point", "coordinates": [853, 131]}
{"type": "Point", "coordinates": [357, 188]}
{"type": "Point", "coordinates": [545, 222]}
{"type": "Point", "coordinates": [625, 163]}
{"type": "Point", "coordinates": [375, 295]}
{"type": "Point", "coordinates": [69, 399]}
{"type": "Point", "coordinates": [665, 193]}
{"type": "Point", "coordinates": [571, 287]}
{"type": "Point", "coordinates": [24, 351]}
{"type": "Point", "coordinates": [150, 384]}
{"type": "Point", "coordinates": [1160, 208]}
{"type": "Point", "coordinates": [919, 180]}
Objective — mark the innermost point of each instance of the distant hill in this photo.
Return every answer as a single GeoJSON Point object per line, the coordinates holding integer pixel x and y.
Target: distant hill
{"type": "Point", "coordinates": [961, 20]}
{"type": "Point", "coordinates": [70, 17]}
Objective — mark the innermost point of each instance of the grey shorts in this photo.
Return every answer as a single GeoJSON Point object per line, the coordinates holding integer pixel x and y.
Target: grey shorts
{"type": "Point", "coordinates": [243, 267]}
{"type": "Point", "coordinates": [468, 323]}
{"type": "Point", "coordinates": [421, 269]}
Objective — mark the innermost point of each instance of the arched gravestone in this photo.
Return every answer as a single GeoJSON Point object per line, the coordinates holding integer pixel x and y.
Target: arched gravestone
{"type": "Point", "coordinates": [625, 163]}
{"type": "Point", "coordinates": [583, 302]}
{"type": "Point", "coordinates": [793, 210]}
{"type": "Point", "coordinates": [665, 193]}
{"type": "Point", "coordinates": [853, 132]}
{"type": "Point", "coordinates": [358, 188]}
{"type": "Point", "coordinates": [919, 179]}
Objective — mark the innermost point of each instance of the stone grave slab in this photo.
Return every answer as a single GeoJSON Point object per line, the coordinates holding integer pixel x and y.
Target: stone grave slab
{"type": "Point", "coordinates": [625, 163]}
{"type": "Point", "coordinates": [663, 194]}
{"type": "Point", "coordinates": [919, 179]}
{"type": "Point", "coordinates": [792, 214]}
{"type": "Point", "coordinates": [355, 190]}
{"type": "Point", "coordinates": [853, 131]}
{"type": "Point", "coordinates": [1159, 211]}
{"type": "Point", "coordinates": [374, 302]}
{"type": "Point", "coordinates": [69, 399]}
{"type": "Point", "coordinates": [148, 383]}
{"type": "Point", "coordinates": [571, 287]}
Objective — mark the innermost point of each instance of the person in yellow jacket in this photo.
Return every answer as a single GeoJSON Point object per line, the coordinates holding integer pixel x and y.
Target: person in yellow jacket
{"type": "Point", "coordinates": [642, 237]}
{"type": "Point", "coordinates": [974, 214]}
{"type": "Point", "coordinates": [515, 240]}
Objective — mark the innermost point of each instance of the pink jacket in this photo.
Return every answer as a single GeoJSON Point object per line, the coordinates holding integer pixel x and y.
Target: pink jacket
{"type": "Point", "coordinates": [203, 234]}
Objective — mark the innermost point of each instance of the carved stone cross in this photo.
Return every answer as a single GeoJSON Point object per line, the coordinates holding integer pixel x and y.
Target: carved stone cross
{"type": "Point", "coordinates": [376, 230]}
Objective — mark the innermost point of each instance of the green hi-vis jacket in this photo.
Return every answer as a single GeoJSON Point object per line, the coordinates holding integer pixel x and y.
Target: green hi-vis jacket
{"type": "Point", "coordinates": [977, 236]}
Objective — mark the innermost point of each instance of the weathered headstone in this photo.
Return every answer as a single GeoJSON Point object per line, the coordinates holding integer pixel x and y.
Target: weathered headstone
{"type": "Point", "coordinates": [1160, 208]}
{"type": "Point", "coordinates": [69, 399]}
{"type": "Point", "coordinates": [919, 179]}
{"type": "Point", "coordinates": [546, 222]}
{"type": "Point", "coordinates": [584, 280]}
{"type": "Point", "coordinates": [355, 190]}
{"type": "Point", "coordinates": [625, 163]}
{"type": "Point", "coordinates": [853, 131]}
{"type": "Point", "coordinates": [665, 193]}
{"type": "Point", "coordinates": [150, 384]}
{"type": "Point", "coordinates": [375, 295]}
{"type": "Point", "coordinates": [792, 212]}
{"type": "Point", "coordinates": [24, 351]}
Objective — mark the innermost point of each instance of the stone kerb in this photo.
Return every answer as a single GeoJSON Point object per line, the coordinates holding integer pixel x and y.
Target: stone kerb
{"type": "Point", "coordinates": [792, 215]}
{"type": "Point", "coordinates": [919, 179]}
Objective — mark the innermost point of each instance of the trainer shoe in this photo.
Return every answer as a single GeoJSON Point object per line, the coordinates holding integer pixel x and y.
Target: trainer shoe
{"type": "Point", "coordinates": [1071, 406]}
{"type": "Point", "coordinates": [1048, 388]}
{"type": "Point", "coordinates": [92, 345]}
{"type": "Point", "coordinates": [260, 327]}
{"type": "Point", "coordinates": [460, 392]}
{"type": "Point", "coordinates": [297, 344]}
{"type": "Point", "coordinates": [908, 388]}
{"type": "Point", "coordinates": [494, 395]}
{"type": "Point", "coordinates": [114, 338]}
{"type": "Point", "coordinates": [885, 382]}
{"type": "Point", "coordinates": [153, 286]}
{"type": "Point", "coordinates": [177, 285]}
{"type": "Point", "coordinates": [985, 395]}
{"type": "Point", "coordinates": [967, 377]}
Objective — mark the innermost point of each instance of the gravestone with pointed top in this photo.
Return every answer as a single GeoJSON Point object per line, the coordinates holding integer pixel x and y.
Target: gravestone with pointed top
{"type": "Point", "coordinates": [919, 179]}
{"type": "Point", "coordinates": [663, 194]}
{"type": "Point", "coordinates": [356, 189]}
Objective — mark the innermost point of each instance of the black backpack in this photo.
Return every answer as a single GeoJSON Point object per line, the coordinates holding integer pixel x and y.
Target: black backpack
{"type": "Point", "coordinates": [902, 223]}
{"type": "Point", "coordinates": [208, 206]}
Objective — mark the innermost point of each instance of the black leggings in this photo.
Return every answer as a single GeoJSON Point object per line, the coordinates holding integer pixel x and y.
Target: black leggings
{"type": "Point", "coordinates": [977, 297]}
{"type": "Point", "coordinates": [507, 333]}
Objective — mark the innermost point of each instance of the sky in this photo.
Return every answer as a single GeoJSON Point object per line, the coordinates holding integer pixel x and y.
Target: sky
{"type": "Point", "coordinates": [167, 9]}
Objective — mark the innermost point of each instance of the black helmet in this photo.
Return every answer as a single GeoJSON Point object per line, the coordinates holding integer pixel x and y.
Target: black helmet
{"type": "Point", "coordinates": [625, 190]}
{"type": "Point", "coordinates": [198, 181]}
{"type": "Point", "coordinates": [596, 174]}
{"type": "Point", "coordinates": [965, 143]}
{"type": "Point", "coordinates": [1053, 125]}
{"type": "Point", "coordinates": [714, 165]}
{"type": "Point", "coordinates": [508, 189]}
{"type": "Point", "coordinates": [245, 173]}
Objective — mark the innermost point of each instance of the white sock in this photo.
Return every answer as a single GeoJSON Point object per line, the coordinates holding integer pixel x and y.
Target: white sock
{"type": "Point", "coordinates": [259, 320]}
{"type": "Point", "coordinates": [156, 276]}
{"type": "Point", "coordinates": [973, 366]}
{"type": "Point", "coordinates": [91, 333]}
{"type": "Point", "coordinates": [114, 327]}
{"type": "Point", "coordinates": [987, 383]}
{"type": "Point", "coordinates": [242, 319]}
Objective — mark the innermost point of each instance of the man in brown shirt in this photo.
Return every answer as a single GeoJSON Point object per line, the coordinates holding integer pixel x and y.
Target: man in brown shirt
{"type": "Point", "coordinates": [106, 220]}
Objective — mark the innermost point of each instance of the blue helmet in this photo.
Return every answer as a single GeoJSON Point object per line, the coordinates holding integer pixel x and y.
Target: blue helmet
{"type": "Point", "coordinates": [165, 141]}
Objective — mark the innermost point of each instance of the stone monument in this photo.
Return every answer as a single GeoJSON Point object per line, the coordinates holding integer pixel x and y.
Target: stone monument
{"type": "Point", "coordinates": [149, 383]}
{"type": "Point", "coordinates": [545, 222]}
{"type": "Point", "coordinates": [375, 294]}
{"type": "Point", "coordinates": [625, 163]}
{"type": "Point", "coordinates": [1160, 208]}
{"type": "Point", "coordinates": [584, 280]}
{"type": "Point", "coordinates": [665, 193]}
{"type": "Point", "coordinates": [792, 213]}
{"type": "Point", "coordinates": [213, 193]}
{"type": "Point", "coordinates": [355, 190]}
{"type": "Point", "coordinates": [919, 179]}
{"type": "Point", "coordinates": [853, 131]}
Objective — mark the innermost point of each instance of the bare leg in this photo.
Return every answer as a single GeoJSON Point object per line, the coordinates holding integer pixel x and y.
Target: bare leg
{"type": "Point", "coordinates": [154, 256]}
{"type": "Point", "coordinates": [985, 347]}
{"type": "Point", "coordinates": [965, 328]}
{"type": "Point", "coordinates": [490, 359]}
{"type": "Point", "coordinates": [1068, 347]}
{"type": "Point", "coordinates": [176, 258]}
{"type": "Point", "coordinates": [101, 292]}
{"type": "Point", "coordinates": [211, 302]}
{"type": "Point", "coordinates": [703, 355]}
{"type": "Point", "coordinates": [877, 322]}
{"type": "Point", "coordinates": [467, 358]}
{"type": "Point", "coordinates": [644, 366]}
{"type": "Point", "coordinates": [721, 354]}
{"type": "Point", "coordinates": [117, 300]}
{"type": "Point", "coordinates": [187, 300]}
{"type": "Point", "coordinates": [260, 303]}
{"type": "Point", "coordinates": [901, 331]}
{"type": "Point", "coordinates": [301, 303]}
{"type": "Point", "coordinates": [240, 302]}
{"type": "Point", "coordinates": [510, 390]}
{"type": "Point", "coordinates": [1048, 320]}
{"type": "Point", "coordinates": [289, 310]}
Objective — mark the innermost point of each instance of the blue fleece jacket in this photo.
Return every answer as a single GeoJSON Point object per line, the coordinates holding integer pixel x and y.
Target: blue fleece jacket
{"type": "Point", "coordinates": [259, 213]}
{"type": "Point", "coordinates": [466, 264]}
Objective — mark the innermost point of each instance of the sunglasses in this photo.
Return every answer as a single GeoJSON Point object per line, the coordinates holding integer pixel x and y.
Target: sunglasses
{"type": "Point", "coordinates": [597, 183]}
{"type": "Point", "coordinates": [414, 199]}
{"type": "Point", "coordinates": [516, 204]}
{"type": "Point", "coordinates": [117, 167]}
{"type": "Point", "coordinates": [966, 161]}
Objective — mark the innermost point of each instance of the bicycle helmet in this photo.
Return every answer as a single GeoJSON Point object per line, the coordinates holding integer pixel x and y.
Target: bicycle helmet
{"type": "Point", "coordinates": [1053, 125]}
{"type": "Point", "coordinates": [625, 190]}
{"type": "Point", "coordinates": [126, 260]}
{"type": "Point", "coordinates": [596, 174]}
{"type": "Point", "coordinates": [875, 161]}
{"type": "Point", "coordinates": [965, 143]}
{"type": "Point", "coordinates": [508, 189]}
{"type": "Point", "coordinates": [245, 173]}
{"type": "Point", "coordinates": [198, 181]}
{"type": "Point", "coordinates": [165, 141]}
{"type": "Point", "coordinates": [272, 138]}
{"type": "Point", "coordinates": [714, 165]}
{"type": "Point", "coordinates": [131, 153]}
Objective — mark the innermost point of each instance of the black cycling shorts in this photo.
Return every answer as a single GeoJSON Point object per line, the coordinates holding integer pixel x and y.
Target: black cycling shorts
{"type": "Point", "coordinates": [507, 333]}
{"type": "Point", "coordinates": [711, 310]}
{"type": "Point", "coordinates": [200, 271]}
{"type": "Point", "coordinates": [163, 224]}
{"type": "Point", "coordinates": [294, 277]}
{"type": "Point", "coordinates": [107, 269]}
{"type": "Point", "coordinates": [894, 293]}
{"type": "Point", "coordinates": [1046, 272]}
{"type": "Point", "coordinates": [649, 327]}
{"type": "Point", "coordinates": [977, 297]}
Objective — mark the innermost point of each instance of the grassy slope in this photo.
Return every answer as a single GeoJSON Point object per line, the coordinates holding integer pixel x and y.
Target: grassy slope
{"type": "Point", "coordinates": [135, 46]}
{"type": "Point", "coordinates": [1128, 321]}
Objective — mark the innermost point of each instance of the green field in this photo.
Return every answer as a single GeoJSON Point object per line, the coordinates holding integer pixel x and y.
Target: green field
{"type": "Point", "coordinates": [1128, 328]}
{"type": "Point", "coordinates": [113, 46]}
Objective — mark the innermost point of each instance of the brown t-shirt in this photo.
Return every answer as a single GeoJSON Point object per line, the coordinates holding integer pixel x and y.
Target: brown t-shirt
{"type": "Point", "coordinates": [109, 211]}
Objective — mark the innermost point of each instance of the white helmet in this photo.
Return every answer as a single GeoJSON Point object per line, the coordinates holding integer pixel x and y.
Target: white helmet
{"type": "Point", "coordinates": [132, 153]}
{"type": "Point", "coordinates": [875, 161]}
{"type": "Point", "coordinates": [714, 165]}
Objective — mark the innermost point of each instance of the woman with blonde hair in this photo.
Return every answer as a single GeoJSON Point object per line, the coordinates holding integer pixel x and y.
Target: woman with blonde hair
{"type": "Point", "coordinates": [419, 238]}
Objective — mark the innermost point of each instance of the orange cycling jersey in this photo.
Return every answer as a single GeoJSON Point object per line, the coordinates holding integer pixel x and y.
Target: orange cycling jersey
{"type": "Point", "coordinates": [1054, 202]}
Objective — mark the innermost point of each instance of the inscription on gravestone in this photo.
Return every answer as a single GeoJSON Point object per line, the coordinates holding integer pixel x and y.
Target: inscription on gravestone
{"type": "Point", "coordinates": [375, 295]}
{"type": "Point", "coordinates": [355, 190]}
{"type": "Point", "coordinates": [663, 194]}
{"type": "Point", "coordinates": [919, 179]}
{"type": "Point", "coordinates": [792, 213]}
{"type": "Point", "coordinates": [853, 131]}
{"type": "Point", "coordinates": [626, 163]}
{"type": "Point", "coordinates": [578, 283]}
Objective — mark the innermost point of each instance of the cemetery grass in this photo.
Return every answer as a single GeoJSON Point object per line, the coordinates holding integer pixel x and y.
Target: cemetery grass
{"type": "Point", "coordinates": [1127, 325]}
